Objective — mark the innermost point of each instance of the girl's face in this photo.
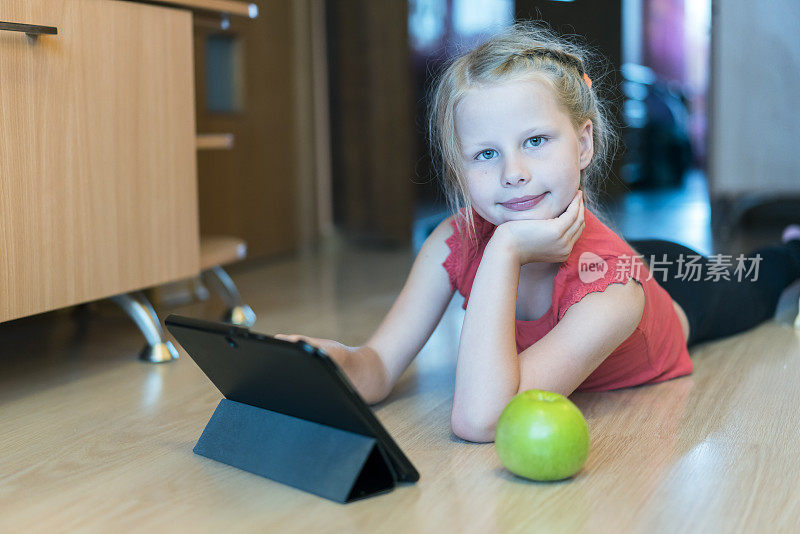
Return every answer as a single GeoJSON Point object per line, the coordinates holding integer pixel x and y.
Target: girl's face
{"type": "Point", "coordinates": [521, 155]}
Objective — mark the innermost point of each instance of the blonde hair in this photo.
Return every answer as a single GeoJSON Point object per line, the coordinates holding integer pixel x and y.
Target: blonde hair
{"type": "Point", "coordinates": [525, 49]}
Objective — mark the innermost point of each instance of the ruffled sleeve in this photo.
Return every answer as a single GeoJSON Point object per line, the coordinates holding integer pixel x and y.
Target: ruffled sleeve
{"type": "Point", "coordinates": [453, 264]}
{"type": "Point", "coordinates": [592, 272]}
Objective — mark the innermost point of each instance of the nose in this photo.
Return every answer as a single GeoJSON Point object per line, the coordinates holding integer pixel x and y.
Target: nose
{"type": "Point", "coordinates": [515, 172]}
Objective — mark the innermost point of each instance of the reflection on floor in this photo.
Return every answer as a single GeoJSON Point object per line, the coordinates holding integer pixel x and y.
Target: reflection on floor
{"type": "Point", "coordinates": [682, 215]}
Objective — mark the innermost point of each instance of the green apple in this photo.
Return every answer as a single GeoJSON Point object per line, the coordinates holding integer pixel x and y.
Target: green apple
{"type": "Point", "coordinates": [542, 435]}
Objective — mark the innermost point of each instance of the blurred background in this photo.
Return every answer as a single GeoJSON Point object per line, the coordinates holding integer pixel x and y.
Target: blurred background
{"type": "Point", "coordinates": [313, 163]}
{"type": "Point", "coordinates": [326, 101]}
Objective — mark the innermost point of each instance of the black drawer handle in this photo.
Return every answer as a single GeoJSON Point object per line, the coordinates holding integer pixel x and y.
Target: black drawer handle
{"type": "Point", "coordinates": [30, 29]}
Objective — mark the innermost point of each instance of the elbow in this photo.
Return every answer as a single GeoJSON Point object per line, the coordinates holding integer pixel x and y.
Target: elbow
{"type": "Point", "coordinates": [376, 396]}
{"type": "Point", "coordinates": [376, 391]}
{"type": "Point", "coordinates": [472, 428]}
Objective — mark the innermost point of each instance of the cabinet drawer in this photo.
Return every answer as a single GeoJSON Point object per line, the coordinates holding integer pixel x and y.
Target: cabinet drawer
{"type": "Point", "coordinates": [98, 191]}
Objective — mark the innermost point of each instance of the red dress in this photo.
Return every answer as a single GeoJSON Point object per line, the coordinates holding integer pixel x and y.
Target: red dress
{"type": "Point", "coordinates": [654, 352]}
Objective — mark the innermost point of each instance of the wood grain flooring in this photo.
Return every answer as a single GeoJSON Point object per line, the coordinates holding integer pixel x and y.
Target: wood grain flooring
{"type": "Point", "coordinates": [93, 440]}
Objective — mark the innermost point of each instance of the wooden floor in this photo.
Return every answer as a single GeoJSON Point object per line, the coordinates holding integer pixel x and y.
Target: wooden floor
{"type": "Point", "coordinates": [93, 440]}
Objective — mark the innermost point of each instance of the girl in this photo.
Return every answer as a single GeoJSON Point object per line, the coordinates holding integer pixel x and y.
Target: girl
{"type": "Point", "coordinates": [554, 299]}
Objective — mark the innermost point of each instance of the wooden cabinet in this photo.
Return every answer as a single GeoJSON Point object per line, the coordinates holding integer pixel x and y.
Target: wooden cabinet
{"type": "Point", "coordinates": [98, 191]}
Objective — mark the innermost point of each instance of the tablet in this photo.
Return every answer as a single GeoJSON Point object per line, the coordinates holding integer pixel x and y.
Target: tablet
{"type": "Point", "coordinates": [292, 378]}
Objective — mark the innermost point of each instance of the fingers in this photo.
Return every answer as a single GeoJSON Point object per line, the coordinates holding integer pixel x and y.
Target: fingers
{"type": "Point", "coordinates": [316, 342]}
{"type": "Point", "coordinates": [572, 215]}
{"type": "Point", "coordinates": [292, 337]}
{"type": "Point", "coordinates": [574, 207]}
{"type": "Point", "coordinates": [571, 207]}
{"type": "Point", "coordinates": [580, 220]}
{"type": "Point", "coordinates": [575, 232]}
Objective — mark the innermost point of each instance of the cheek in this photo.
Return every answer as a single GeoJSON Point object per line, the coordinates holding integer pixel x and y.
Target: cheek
{"type": "Point", "coordinates": [572, 170]}
{"type": "Point", "coordinates": [477, 184]}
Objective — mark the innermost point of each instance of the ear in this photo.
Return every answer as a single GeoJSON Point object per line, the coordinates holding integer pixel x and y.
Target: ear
{"type": "Point", "coordinates": [586, 142]}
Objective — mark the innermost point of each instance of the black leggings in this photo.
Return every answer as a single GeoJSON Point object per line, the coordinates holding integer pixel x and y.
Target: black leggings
{"type": "Point", "coordinates": [717, 307]}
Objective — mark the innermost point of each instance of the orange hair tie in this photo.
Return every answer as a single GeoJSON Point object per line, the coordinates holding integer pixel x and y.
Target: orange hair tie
{"type": "Point", "coordinates": [587, 80]}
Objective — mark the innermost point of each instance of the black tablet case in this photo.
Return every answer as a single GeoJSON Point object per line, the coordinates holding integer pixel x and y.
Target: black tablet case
{"type": "Point", "coordinates": [337, 464]}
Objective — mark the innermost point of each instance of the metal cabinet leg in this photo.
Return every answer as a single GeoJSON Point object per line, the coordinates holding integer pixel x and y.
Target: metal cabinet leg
{"type": "Point", "coordinates": [237, 312]}
{"type": "Point", "coordinates": [199, 290]}
{"type": "Point", "coordinates": [141, 311]}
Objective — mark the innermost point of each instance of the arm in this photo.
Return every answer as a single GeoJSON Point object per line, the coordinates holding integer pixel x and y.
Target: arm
{"type": "Point", "coordinates": [375, 367]}
{"type": "Point", "coordinates": [490, 372]}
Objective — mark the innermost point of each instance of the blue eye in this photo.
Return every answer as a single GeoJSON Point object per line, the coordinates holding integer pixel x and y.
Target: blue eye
{"type": "Point", "coordinates": [488, 154]}
{"type": "Point", "coordinates": [537, 140]}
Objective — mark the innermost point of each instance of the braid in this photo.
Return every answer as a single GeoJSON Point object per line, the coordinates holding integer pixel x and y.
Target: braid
{"type": "Point", "coordinates": [558, 56]}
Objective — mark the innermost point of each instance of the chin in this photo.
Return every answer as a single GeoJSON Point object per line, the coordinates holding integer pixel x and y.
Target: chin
{"type": "Point", "coordinates": [533, 214]}
{"type": "Point", "coordinates": [525, 216]}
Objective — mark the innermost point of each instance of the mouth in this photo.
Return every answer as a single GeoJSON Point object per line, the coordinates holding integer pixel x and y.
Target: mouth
{"type": "Point", "coordinates": [522, 203]}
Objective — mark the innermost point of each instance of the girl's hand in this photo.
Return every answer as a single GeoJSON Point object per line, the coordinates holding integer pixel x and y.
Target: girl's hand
{"type": "Point", "coordinates": [337, 351]}
{"type": "Point", "coordinates": [362, 365]}
{"type": "Point", "coordinates": [549, 240]}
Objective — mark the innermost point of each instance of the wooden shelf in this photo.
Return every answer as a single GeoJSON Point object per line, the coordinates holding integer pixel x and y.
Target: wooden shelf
{"type": "Point", "coordinates": [220, 141]}
{"type": "Point", "coordinates": [231, 7]}
{"type": "Point", "coordinates": [220, 250]}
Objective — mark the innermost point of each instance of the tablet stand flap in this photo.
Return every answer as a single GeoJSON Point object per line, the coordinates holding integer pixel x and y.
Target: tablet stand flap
{"type": "Point", "coordinates": [329, 462]}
